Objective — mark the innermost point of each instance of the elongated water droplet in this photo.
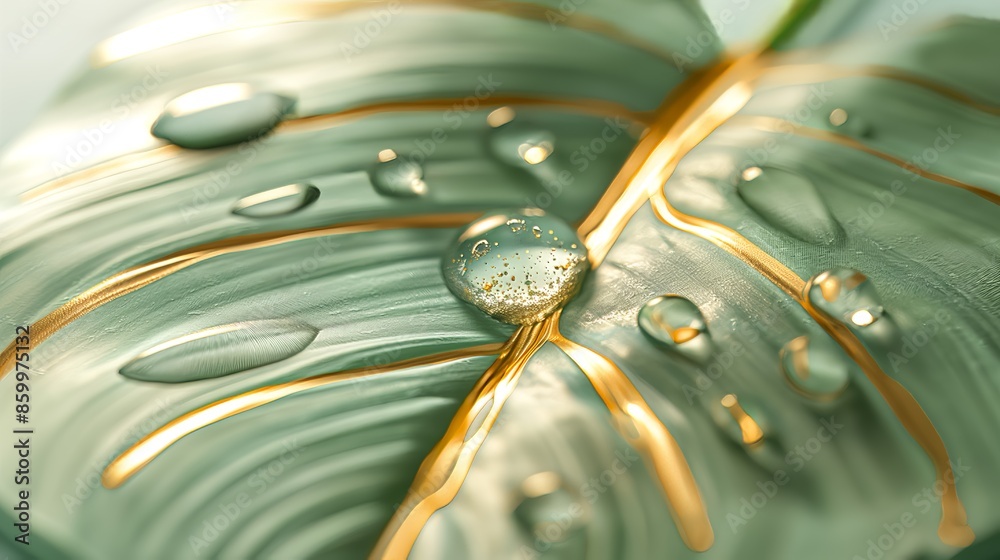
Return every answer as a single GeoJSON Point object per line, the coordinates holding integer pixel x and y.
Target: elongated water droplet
{"type": "Point", "coordinates": [397, 177]}
{"type": "Point", "coordinates": [221, 350]}
{"type": "Point", "coordinates": [277, 202]}
{"type": "Point", "coordinates": [815, 367]}
{"type": "Point", "coordinates": [790, 202]}
{"type": "Point", "coordinates": [676, 324]}
{"type": "Point", "coordinates": [543, 508]}
{"type": "Point", "coordinates": [521, 144]}
{"type": "Point", "coordinates": [528, 276]}
{"type": "Point", "coordinates": [221, 115]}
{"type": "Point", "coordinates": [846, 295]}
{"type": "Point", "coordinates": [750, 431]}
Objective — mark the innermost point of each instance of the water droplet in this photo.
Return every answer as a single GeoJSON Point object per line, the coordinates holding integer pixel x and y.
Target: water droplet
{"type": "Point", "coordinates": [849, 124]}
{"type": "Point", "coordinates": [221, 350]}
{"type": "Point", "coordinates": [815, 367]}
{"type": "Point", "coordinates": [676, 323]}
{"type": "Point", "coordinates": [530, 275]}
{"type": "Point", "coordinates": [790, 202]}
{"type": "Point", "coordinates": [277, 202]}
{"type": "Point", "coordinates": [846, 295]}
{"type": "Point", "coordinates": [397, 177]}
{"type": "Point", "coordinates": [521, 144]}
{"type": "Point", "coordinates": [544, 501]}
{"type": "Point", "coordinates": [221, 115]}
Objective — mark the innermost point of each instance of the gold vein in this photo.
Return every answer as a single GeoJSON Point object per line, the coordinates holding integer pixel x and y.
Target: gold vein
{"type": "Point", "coordinates": [148, 448]}
{"type": "Point", "coordinates": [138, 160]}
{"type": "Point", "coordinates": [787, 74]}
{"type": "Point", "coordinates": [775, 124]}
{"type": "Point", "coordinates": [637, 423]}
{"type": "Point", "coordinates": [698, 107]}
{"type": "Point", "coordinates": [205, 21]}
{"type": "Point", "coordinates": [447, 465]}
{"type": "Point", "coordinates": [953, 529]}
{"type": "Point", "coordinates": [140, 276]}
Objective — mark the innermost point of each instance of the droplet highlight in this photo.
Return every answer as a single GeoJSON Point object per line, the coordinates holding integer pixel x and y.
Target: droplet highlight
{"type": "Point", "coordinates": [510, 272]}
{"type": "Point", "coordinates": [790, 202]}
{"type": "Point", "coordinates": [277, 202]}
{"type": "Point", "coordinates": [220, 351]}
{"type": "Point", "coordinates": [849, 124]}
{"type": "Point", "coordinates": [815, 367]}
{"type": "Point", "coordinates": [846, 295]}
{"type": "Point", "coordinates": [521, 144]}
{"type": "Point", "coordinates": [221, 115]}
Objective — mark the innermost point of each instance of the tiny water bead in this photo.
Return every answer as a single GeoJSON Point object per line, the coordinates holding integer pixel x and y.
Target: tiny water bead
{"type": "Point", "coordinates": [846, 123]}
{"type": "Point", "coordinates": [397, 177]}
{"type": "Point", "coordinates": [677, 324]}
{"type": "Point", "coordinates": [221, 115]}
{"type": "Point", "coordinates": [220, 350]}
{"type": "Point", "coordinates": [846, 295]}
{"type": "Point", "coordinates": [277, 202]}
{"type": "Point", "coordinates": [519, 266]}
{"type": "Point", "coordinates": [790, 202]}
{"type": "Point", "coordinates": [750, 431]}
{"type": "Point", "coordinates": [815, 367]}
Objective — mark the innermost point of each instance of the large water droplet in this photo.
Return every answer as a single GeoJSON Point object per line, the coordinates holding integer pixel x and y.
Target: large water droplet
{"type": "Point", "coordinates": [220, 115]}
{"type": "Point", "coordinates": [846, 295]}
{"type": "Point", "coordinates": [221, 350]}
{"type": "Point", "coordinates": [521, 144]}
{"type": "Point", "coordinates": [395, 176]}
{"type": "Point", "coordinates": [543, 508]}
{"type": "Point", "coordinates": [277, 202]}
{"type": "Point", "coordinates": [511, 273]}
{"type": "Point", "coordinates": [676, 323]}
{"type": "Point", "coordinates": [815, 367]}
{"type": "Point", "coordinates": [790, 202]}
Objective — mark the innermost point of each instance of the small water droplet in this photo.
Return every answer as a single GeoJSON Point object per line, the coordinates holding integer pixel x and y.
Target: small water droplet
{"type": "Point", "coordinates": [277, 202]}
{"type": "Point", "coordinates": [815, 367]}
{"type": "Point", "coordinates": [397, 177]}
{"type": "Point", "coordinates": [846, 295]}
{"type": "Point", "coordinates": [530, 276]}
{"type": "Point", "coordinates": [676, 324]}
{"type": "Point", "coordinates": [221, 115]}
{"type": "Point", "coordinates": [849, 124]}
{"type": "Point", "coordinates": [501, 116]}
{"type": "Point", "coordinates": [543, 507]}
{"type": "Point", "coordinates": [522, 144]}
{"type": "Point", "coordinates": [221, 350]}
{"type": "Point", "coordinates": [790, 202]}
